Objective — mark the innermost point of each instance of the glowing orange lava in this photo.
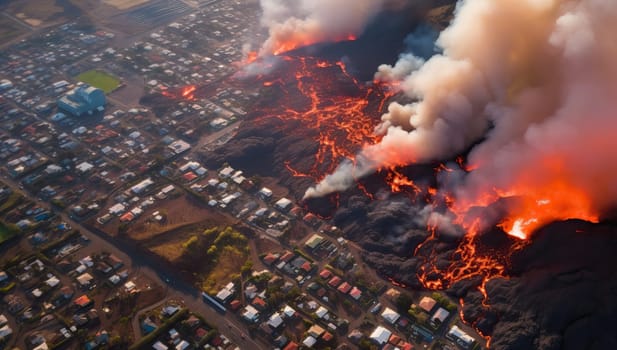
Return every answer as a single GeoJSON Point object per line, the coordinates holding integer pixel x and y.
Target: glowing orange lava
{"type": "Point", "coordinates": [302, 39]}
{"type": "Point", "coordinates": [188, 91]}
{"type": "Point", "coordinates": [331, 104]}
{"type": "Point", "coordinates": [185, 93]}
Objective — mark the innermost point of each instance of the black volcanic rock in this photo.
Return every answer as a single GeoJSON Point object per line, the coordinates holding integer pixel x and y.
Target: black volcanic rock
{"type": "Point", "coordinates": [565, 294]}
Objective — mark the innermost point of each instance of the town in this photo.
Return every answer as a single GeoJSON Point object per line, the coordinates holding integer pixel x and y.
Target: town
{"type": "Point", "coordinates": [116, 234]}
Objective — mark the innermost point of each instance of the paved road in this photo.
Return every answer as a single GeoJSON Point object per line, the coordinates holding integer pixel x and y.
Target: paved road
{"type": "Point", "coordinates": [140, 262]}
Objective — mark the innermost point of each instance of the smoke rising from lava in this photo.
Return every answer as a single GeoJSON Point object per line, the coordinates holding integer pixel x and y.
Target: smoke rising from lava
{"type": "Point", "coordinates": [296, 23]}
{"type": "Point", "coordinates": [530, 83]}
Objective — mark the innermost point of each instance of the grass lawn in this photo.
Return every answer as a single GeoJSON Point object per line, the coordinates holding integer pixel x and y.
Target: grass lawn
{"type": "Point", "coordinates": [101, 80]}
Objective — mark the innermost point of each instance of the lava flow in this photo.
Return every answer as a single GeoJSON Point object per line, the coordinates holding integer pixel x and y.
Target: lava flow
{"type": "Point", "coordinates": [184, 93]}
{"type": "Point", "coordinates": [332, 107]}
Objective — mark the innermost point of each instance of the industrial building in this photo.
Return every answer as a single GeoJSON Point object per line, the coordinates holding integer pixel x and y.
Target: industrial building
{"type": "Point", "coordinates": [82, 99]}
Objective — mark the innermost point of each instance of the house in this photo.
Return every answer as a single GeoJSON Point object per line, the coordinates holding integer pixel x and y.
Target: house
{"type": "Point", "coordinates": [325, 274]}
{"type": "Point", "coordinates": [142, 186]}
{"type": "Point", "coordinates": [225, 294]}
{"type": "Point", "coordinates": [250, 314]}
{"type": "Point", "coordinates": [129, 286]}
{"type": "Point", "coordinates": [85, 280]}
{"type": "Point", "coordinates": [309, 341]}
{"type": "Point", "coordinates": [390, 315]}
{"type": "Point", "coordinates": [259, 303]}
{"type": "Point", "coordinates": [335, 281]}
{"type": "Point", "coordinates": [439, 316]}
{"type": "Point", "coordinates": [289, 312]}
{"type": "Point", "coordinates": [5, 332]}
{"type": "Point", "coordinates": [275, 321]}
{"type": "Point", "coordinates": [283, 204]}
{"type": "Point", "coordinates": [226, 172]}
{"type": "Point", "coordinates": [344, 288]}
{"type": "Point", "coordinates": [427, 304]}
{"type": "Point", "coordinates": [287, 256]}
{"type": "Point", "coordinates": [314, 241]}
{"type": "Point", "coordinates": [169, 310]}
{"type": "Point", "coordinates": [321, 312]}
{"type": "Point", "coordinates": [182, 345]}
{"type": "Point", "coordinates": [117, 209]}
{"type": "Point", "coordinates": [327, 336]}
{"type": "Point", "coordinates": [114, 261]}
{"type": "Point", "coordinates": [52, 282]}
{"type": "Point", "coordinates": [291, 346]}
{"type": "Point", "coordinates": [83, 302]}
{"type": "Point", "coordinates": [159, 346]}
{"type": "Point", "coordinates": [147, 326]}
{"type": "Point", "coordinates": [380, 335]}
{"type": "Point", "coordinates": [460, 337]}
{"type": "Point", "coordinates": [355, 293]}
{"type": "Point", "coordinates": [265, 193]}
{"type": "Point", "coordinates": [316, 331]}
{"type": "Point", "coordinates": [179, 146]}
{"type": "Point", "coordinates": [270, 258]}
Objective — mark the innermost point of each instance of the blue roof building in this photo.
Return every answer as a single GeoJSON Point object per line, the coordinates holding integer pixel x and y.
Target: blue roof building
{"type": "Point", "coordinates": [82, 99]}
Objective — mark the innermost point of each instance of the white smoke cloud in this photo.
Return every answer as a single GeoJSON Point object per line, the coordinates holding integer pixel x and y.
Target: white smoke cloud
{"type": "Point", "coordinates": [295, 23]}
{"type": "Point", "coordinates": [534, 80]}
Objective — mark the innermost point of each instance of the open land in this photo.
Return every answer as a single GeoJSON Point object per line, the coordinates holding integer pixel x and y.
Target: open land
{"type": "Point", "coordinates": [99, 79]}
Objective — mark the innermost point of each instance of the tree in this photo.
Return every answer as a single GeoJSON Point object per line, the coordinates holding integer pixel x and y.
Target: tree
{"type": "Point", "coordinates": [247, 267]}
{"type": "Point", "coordinates": [403, 302]}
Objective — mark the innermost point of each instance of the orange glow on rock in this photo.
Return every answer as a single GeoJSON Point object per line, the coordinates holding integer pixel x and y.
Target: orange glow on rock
{"type": "Point", "coordinates": [301, 39]}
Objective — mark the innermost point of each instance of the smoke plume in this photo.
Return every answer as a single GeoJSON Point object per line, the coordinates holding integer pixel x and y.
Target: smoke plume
{"type": "Point", "coordinates": [295, 23]}
{"type": "Point", "coordinates": [532, 83]}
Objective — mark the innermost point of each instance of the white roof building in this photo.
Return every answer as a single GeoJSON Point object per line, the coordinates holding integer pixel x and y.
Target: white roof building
{"type": "Point", "coordinates": [84, 167]}
{"type": "Point", "coordinates": [142, 186]}
{"type": "Point", "coordinates": [275, 320]}
{"type": "Point", "coordinates": [5, 332]}
{"type": "Point", "coordinates": [265, 192]}
{"type": "Point", "coordinates": [129, 286]}
{"type": "Point", "coordinates": [226, 172]}
{"type": "Point", "coordinates": [321, 312]}
{"type": "Point", "coordinates": [289, 311]}
{"type": "Point", "coordinates": [179, 146]}
{"type": "Point", "coordinates": [390, 315]}
{"type": "Point", "coordinates": [440, 315]}
{"type": "Point", "coordinates": [460, 337]}
{"type": "Point", "coordinates": [250, 313]}
{"type": "Point", "coordinates": [283, 204]}
{"type": "Point", "coordinates": [380, 335]}
{"type": "Point", "coordinates": [85, 279]}
{"type": "Point", "coordinates": [159, 346]}
{"type": "Point", "coordinates": [117, 209]}
{"type": "Point", "coordinates": [52, 281]}
{"type": "Point", "coordinates": [309, 341]}
{"type": "Point", "coordinates": [182, 345]}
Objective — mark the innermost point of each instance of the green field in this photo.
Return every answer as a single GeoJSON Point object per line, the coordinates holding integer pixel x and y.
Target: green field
{"type": "Point", "coordinates": [101, 80]}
